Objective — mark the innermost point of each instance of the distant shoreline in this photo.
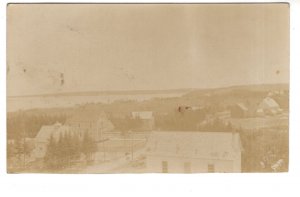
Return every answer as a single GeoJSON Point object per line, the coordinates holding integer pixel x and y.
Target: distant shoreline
{"type": "Point", "coordinates": [139, 92]}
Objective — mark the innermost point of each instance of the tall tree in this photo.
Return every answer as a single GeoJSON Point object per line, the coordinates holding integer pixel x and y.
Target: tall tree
{"type": "Point", "coordinates": [88, 147]}
{"type": "Point", "coordinates": [50, 159]}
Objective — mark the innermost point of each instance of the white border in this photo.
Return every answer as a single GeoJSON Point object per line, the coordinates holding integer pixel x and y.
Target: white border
{"type": "Point", "coordinates": [282, 184]}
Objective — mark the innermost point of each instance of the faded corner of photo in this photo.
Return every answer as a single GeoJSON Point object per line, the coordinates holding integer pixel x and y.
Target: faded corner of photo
{"type": "Point", "coordinates": [148, 88]}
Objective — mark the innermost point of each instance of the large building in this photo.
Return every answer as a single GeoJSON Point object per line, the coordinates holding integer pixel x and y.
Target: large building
{"type": "Point", "coordinates": [187, 152]}
{"type": "Point", "coordinates": [239, 110]}
{"type": "Point", "coordinates": [81, 122]}
{"type": "Point", "coordinates": [42, 139]}
{"type": "Point", "coordinates": [93, 122]}
{"type": "Point", "coordinates": [268, 106]}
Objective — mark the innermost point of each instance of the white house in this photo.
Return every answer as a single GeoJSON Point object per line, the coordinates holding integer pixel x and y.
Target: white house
{"type": "Point", "coordinates": [191, 151]}
{"type": "Point", "coordinates": [268, 106]}
{"type": "Point", "coordinates": [42, 139]}
{"type": "Point", "coordinates": [91, 122]}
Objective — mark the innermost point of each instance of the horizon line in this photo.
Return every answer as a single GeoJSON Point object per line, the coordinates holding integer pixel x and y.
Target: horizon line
{"type": "Point", "coordinates": [141, 90]}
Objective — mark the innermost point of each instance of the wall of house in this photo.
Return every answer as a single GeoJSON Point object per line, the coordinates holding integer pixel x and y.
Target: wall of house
{"type": "Point", "coordinates": [177, 164]}
{"type": "Point", "coordinates": [237, 164]}
{"type": "Point", "coordinates": [39, 150]}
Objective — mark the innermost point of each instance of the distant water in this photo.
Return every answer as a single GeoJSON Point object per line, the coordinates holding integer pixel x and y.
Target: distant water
{"type": "Point", "coordinates": [24, 103]}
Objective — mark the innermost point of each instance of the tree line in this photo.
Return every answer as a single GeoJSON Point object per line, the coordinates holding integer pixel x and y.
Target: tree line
{"type": "Point", "coordinates": [69, 150]}
{"type": "Point", "coordinates": [22, 124]}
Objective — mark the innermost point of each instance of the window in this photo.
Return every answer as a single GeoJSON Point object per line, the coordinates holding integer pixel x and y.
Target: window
{"type": "Point", "coordinates": [211, 168]}
{"type": "Point", "coordinates": [187, 167]}
{"type": "Point", "coordinates": [164, 167]}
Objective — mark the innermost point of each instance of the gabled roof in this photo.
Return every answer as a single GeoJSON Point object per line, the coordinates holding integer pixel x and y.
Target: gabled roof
{"type": "Point", "coordinates": [242, 106]}
{"type": "Point", "coordinates": [209, 145]}
{"type": "Point", "coordinates": [144, 115]}
{"type": "Point", "coordinates": [268, 102]}
{"type": "Point", "coordinates": [54, 130]}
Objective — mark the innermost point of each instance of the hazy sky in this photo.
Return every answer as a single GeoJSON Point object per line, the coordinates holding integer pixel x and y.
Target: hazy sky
{"type": "Point", "coordinates": [60, 48]}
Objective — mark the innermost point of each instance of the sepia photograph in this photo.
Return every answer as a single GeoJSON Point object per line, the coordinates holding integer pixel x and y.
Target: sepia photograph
{"type": "Point", "coordinates": [147, 88]}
